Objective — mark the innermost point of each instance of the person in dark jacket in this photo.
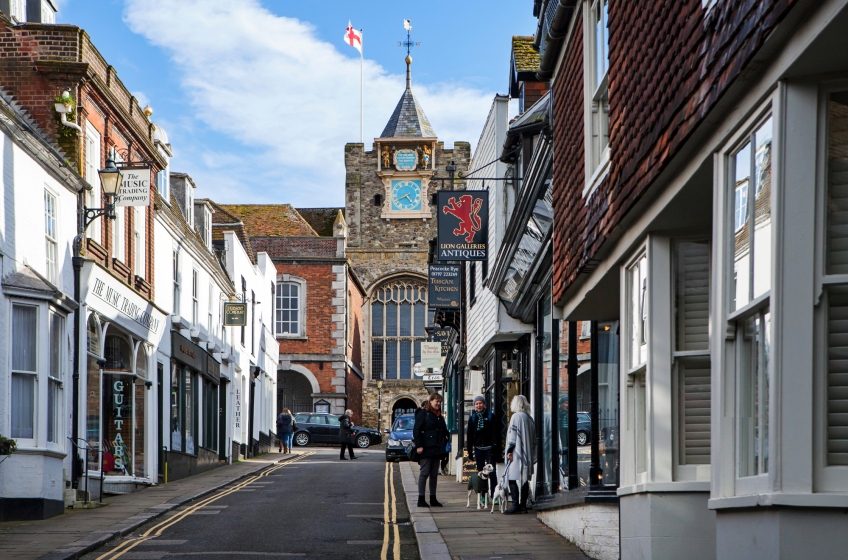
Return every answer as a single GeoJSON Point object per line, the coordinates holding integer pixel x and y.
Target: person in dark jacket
{"type": "Point", "coordinates": [430, 435]}
{"type": "Point", "coordinates": [346, 435]}
{"type": "Point", "coordinates": [480, 439]}
{"type": "Point", "coordinates": [285, 430]}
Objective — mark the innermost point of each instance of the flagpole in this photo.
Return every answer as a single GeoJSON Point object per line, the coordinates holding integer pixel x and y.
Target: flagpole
{"type": "Point", "coordinates": [361, 104]}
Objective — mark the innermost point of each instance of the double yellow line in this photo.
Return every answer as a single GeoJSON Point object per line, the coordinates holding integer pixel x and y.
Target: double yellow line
{"type": "Point", "coordinates": [389, 487]}
{"type": "Point", "coordinates": [159, 528]}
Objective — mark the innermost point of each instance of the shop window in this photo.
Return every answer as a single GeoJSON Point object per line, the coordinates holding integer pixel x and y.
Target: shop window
{"type": "Point", "coordinates": [210, 415]}
{"type": "Point", "coordinates": [750, 170]}
{"type": "Point", "coordinates": [398, 315]}
{"type": "Point", "coordinates": [24, 370]}
{"type": "Point", "coordinates": [140, 390]}
{"type": "Point", "coordinates": [184, 396]}
{"type": "Point", "coordinates": [176, 416]}
{"type": "Point", "coordinates": [188, 410]}
{"type": "Point", "coordinates": [117, 353]}
{"type": "Point", "coordinates": [93, 335]}
{"type": "Point", "coordinates": [93, 375]}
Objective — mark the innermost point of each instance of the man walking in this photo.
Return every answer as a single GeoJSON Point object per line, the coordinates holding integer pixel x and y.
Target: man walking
{"type": "Point", "coordinates": [480, 439]}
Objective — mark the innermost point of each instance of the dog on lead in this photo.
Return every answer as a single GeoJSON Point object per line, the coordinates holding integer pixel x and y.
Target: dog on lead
{"type": "Point", "coordinates": [500, 496]}
{"type": "Point", "coordinates": [479, 482]}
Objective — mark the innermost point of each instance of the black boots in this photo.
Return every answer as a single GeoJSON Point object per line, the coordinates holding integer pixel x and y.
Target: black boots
{"type": "Point", "coordinates": [434, 502]}
{"type": "Point", "coordinates": [422, 502]}
{"type": "Point", "coordinates": [525, 493]}
{"type": "Point", "coordinates": [513, 492]}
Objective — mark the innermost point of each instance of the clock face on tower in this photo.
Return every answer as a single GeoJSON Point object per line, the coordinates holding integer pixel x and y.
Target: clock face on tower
{"type": "Point", "coordinates": [406, 195]}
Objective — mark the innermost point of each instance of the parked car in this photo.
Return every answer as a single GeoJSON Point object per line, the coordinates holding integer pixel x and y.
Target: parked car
{"type": "Point", "coordinates": [584, 428]}
{"type": "Point", "coordinates": [316, 427]}
{"type": "Point", "coordinates": [400, 436]}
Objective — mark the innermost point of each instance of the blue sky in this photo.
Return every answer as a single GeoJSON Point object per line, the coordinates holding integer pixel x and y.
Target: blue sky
{"type": "Point", "coordinates": [258, 97]}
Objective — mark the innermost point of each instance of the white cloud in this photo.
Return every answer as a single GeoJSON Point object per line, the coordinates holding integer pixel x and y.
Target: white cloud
{"type": "Point", "coordinates": [289, 100]}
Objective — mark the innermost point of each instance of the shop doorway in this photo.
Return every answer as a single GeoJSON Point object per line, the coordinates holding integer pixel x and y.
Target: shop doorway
{"type": "Point", "coordinates": [294, 391]}
{"type": "Point", "coordinates": [403, 406]}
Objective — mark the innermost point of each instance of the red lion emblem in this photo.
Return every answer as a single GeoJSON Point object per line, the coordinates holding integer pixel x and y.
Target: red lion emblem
{"type": "Point", "coordinates": [467, 212]}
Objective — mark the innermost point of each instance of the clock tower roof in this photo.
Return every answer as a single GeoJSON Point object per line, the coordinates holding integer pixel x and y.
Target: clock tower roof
{"type": "Point", "coordinates": [408, 119]}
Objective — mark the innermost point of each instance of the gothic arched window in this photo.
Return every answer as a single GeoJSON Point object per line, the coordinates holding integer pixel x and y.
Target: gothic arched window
{"type": "Point", "coordinates": [398, 316]}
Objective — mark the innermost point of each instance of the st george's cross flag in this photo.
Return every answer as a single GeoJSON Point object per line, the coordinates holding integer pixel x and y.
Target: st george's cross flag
{"type": "Point", "coordinates": [353, 37]}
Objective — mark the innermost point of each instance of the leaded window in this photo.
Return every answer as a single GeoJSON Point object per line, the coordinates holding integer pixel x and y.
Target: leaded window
{"type": "Point", "coordinates": [398, 316]}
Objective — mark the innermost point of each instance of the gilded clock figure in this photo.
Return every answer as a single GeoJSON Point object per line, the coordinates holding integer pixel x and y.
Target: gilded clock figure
{"type": "Point", "coordinates": [406, 195]}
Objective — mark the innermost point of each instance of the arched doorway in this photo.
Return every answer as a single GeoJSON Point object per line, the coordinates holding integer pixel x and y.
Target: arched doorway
{"type": "Point", "coordinates": [294, 391]}
{"type": "Point", "coordinates": [403, 406]}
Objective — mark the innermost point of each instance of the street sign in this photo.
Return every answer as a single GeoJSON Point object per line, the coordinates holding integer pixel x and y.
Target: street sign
{"type": "Point", "coordinates": [463, 225]}
{"type": "Point", "coordinates": [443, 286]}
{"type": "Point", "coordinates": [135, 187]}
{"type": "Point", "coordinates": [235, 314]}
{"type": "Point", "coordinates": [418, 369]}
{"type": "Point", "coordinates": [431, 355]}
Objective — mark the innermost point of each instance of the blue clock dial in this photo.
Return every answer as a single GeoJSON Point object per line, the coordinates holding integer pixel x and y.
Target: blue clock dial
{"type": "Point", "coordinates": [406, 195]}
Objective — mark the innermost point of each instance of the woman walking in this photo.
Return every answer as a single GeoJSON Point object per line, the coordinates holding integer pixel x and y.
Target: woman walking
{"type": "Point", "coordinates": [346, 435]}
{"type": "Point", "coordinates": [520, 453]}
{"type": "Point", "coordinates": [285, 430]}
{"type": "Point", "coordinates": [431, 437]}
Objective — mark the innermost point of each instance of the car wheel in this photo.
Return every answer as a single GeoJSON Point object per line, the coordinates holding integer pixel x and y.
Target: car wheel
{"type": "Point", "coordinates": [301, 439]}
{"type": "Point", "coordinates": [363, 441]}
{"type": "Point", "coordinates": [582, 438]}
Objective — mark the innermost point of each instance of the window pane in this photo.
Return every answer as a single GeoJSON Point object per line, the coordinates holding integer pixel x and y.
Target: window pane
{"type": "Point", "coordinates": [188, 416]}
{"type": "Point", "coordinates": [837, 184]}
{"type": "Point", "coordinates": [391, 319]}
{"type": "Point", "coordinates": [136, 460]}
{"type": "Point", "coordinates": [176, 418]}
{"type": "Point", "coordinates": [608, 420]}
{"type": "Point", "coordinates": [118, 424]}
{"type": "Point", "coordinates": [837, 376]}
{"type": "Point", "coordinates": [419, 319]}
{"type": "Point", "coordinates": [377, 319]}
{"type": "Point", "coordinates": [23, 405]}
{"type": "Point", "coordinates": [405, 319]}
{"type": "Point", "coordinates": [753, 396]}
{"type": "Point", "coordinates": [377, 359]}
{"type": "Point", "coordinates": [405, 359]}
{"type": "Point", "coordinates": [23, 338]}
{"type": "Point", "coordinates": [740, 287]}
{"type": "Point", "coordinates": [762, 209]}
{"type": "Point", "coordinates": [417, 356]}
{"type": "Point", "coordinates": [53, 411]}
{"type": "Point", "coordinates": [694, 384]}
{"type": "Point", "coordinates": [692, 278]}
{"type": "Point", "coordinates": [391, 359]}
{"type": "Point", "coordinates": [92, 418]}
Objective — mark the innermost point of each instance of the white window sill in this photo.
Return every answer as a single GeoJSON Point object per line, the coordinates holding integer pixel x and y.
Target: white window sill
{"type": "Point", "coordinates": [599, 175]}
{"type": "Point", "coordinates": [796, 500]}
{"type": "Point", "coordinates": [291, 337]}
{"type": "Point", "coordinates": [691, 486]}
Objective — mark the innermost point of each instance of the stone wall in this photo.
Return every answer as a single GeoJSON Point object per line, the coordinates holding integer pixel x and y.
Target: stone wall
{"type": "Point", "coordinates": [591, 527]}
{"type": "Point", "coordinates": [391, 392]}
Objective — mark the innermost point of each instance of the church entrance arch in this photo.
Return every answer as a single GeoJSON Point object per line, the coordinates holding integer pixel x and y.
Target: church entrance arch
{"type": "Point", "coordinates": [294, 391]}
{"type": "Point", "coordinates": [403, 406]}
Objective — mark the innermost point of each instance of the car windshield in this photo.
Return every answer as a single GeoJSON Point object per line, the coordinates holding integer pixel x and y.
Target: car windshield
{"type": "Point", "coordinates": [404, 424]}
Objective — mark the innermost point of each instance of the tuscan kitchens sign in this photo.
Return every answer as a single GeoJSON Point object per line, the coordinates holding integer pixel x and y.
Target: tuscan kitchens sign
{"type": "Point", "coordinates": [463, 225]}
{"type": "Point", "coordinates": [443, 284]}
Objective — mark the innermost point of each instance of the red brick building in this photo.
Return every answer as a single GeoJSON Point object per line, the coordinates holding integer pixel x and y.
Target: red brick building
{"type": "Point", "coordinates": [318, 304]}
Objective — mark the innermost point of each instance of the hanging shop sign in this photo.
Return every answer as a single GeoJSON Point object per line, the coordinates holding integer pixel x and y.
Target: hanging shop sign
{"type": "Point", "coordinates": [237, 412]}
{"type": "Point", "coordinates": [463, 225]}
{"type": "Point", "coordinates": [135, 187]}
{"type": "Point", "coordinates": [431, 355]}
{"type": "Point", "coordinates": [443, 286]}
{"type": "Point", "coordinates": [442, 336]}
{"type": "Point", "coordinates": [235, 314]}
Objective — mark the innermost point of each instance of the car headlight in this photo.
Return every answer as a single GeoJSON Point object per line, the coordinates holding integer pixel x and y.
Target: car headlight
{"type": "Point", "coordinates": [393, 442]}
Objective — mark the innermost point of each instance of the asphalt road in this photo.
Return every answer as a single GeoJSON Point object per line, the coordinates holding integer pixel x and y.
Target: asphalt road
{"type": "Point", "coordinates": [310, 506]}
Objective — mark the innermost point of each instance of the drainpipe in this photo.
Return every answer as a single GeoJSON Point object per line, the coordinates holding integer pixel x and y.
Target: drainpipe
{"type": "Point", "coordinates": [554, 38]}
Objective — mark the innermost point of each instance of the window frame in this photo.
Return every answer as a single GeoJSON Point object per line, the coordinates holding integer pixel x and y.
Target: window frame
{"type": "Point", "coordinates": [30, 374]}
{"type": "Point", "coordinates": [55, 378]}
{"type": "Point", "coordinates": [195, 297]}
{"type": "Point", "coordinates": [596, 98]}
{"type": "Point", "coordinates": [175, 269]}
{"type": "Point", "coordinates": [640, 256]}
{"type": "Point", "coordinates": [287, 279]}
{"type": "Point", "coordinates": [139, 240]}
{"type": "Point", "coordinates": [51, 214]}
{"type": "Point", "coordinates": [398, 338]}
{"type": "Point", "coordinates": [93, 198]}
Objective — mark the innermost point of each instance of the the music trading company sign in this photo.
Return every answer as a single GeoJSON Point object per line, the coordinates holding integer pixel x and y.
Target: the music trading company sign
{"type": "Point", "coordinates": [463, 225]}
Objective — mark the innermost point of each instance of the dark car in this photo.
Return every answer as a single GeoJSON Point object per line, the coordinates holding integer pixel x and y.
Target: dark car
{"type": "Point", "coordinates": [400, 436]}
{"type": "Point", "coordinates": [317, 427]}
{"type": "Point", "coordinates": [584, 428]}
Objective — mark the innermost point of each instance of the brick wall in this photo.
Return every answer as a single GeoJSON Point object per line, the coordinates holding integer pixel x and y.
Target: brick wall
{"type": "Point", "coordinates": [354, 396]}
{"type": "Point", "coordinates": [670, 63]}
{"type": "Point", "coordinates": [303, 247]}
{"type": "Point", "coordinates": [319, 311]}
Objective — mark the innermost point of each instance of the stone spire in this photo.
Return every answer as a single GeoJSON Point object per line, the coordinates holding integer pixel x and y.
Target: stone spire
{"type": "Point", "coordinates": [408, 119]}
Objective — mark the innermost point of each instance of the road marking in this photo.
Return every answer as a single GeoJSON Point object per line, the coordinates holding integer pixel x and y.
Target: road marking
{"type": "Point", "coordinates": [396, 549]}
{"type": "Point", "coordinates": [238, 553]}
{"type": "Point", "coordinates": [159, 528]}
{"type": "Point", "coordinates": [384, 553]}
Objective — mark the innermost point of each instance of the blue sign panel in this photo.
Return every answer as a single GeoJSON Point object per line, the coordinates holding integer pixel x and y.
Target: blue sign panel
{"type": "Point", "coordinates": [406, 160]}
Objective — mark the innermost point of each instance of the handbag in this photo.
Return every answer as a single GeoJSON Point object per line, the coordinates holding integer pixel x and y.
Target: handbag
{"type": "Point", "coordinates": [412, 452]}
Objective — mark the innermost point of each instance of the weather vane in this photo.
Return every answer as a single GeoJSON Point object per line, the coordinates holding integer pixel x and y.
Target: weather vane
{"type": "Point", "coordinates": [407, 24]}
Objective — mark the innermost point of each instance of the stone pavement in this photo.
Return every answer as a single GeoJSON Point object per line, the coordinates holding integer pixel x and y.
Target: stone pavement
{"type": "Point", "coordinates": [79, 531]}
{"type": "Point", "coordinates": [455, 532]}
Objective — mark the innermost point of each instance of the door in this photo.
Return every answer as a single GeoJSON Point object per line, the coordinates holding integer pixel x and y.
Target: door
{"type": "Point", "coordinates": [318, 428]}
{"type": "Point", "coordinates": [333, 426]}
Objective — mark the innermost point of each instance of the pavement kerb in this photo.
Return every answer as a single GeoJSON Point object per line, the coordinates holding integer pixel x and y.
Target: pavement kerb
{"type": "Point", "coordinates": [143, 518]}
{"type": "Point", "coordinates": [431, 544]}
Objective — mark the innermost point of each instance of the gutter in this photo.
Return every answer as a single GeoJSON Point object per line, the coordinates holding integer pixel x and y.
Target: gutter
{"type": "Point", "coordinates": [555, 38]}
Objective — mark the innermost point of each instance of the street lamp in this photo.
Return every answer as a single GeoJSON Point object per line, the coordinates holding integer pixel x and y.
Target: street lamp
{"type": "Point", "coordinates": [110, 178]}
{"type": "Point", "coordinates": [379, 404]}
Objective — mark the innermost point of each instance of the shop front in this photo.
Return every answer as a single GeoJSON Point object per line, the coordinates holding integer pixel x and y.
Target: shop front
{"type": "Point", "coordinates": [194, 409]}
{"type": "Point", "coordinates": [122, 331]}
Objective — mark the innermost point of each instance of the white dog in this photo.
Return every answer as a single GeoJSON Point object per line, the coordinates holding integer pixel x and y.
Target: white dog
{"type": "Point", "coordinates": [500, 497]}
{"type": "Point", "coordinates": [479, 482]}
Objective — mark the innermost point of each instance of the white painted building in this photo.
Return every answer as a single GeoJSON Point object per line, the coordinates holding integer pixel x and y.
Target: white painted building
{"type": "Point", "coordinates": [38, 213]}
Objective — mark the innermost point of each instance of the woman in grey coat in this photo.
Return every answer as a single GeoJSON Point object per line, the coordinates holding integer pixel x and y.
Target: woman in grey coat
{"type": "Point", "coordinates": [520, 453]}
{"type": "Point", "coordinates": [346, 435]}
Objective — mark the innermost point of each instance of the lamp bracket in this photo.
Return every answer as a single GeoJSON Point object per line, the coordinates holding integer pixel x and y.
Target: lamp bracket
{"type": "Point", "coordinates": [127, 161]}
{"type": "Point", "coordinates": [92, 214]}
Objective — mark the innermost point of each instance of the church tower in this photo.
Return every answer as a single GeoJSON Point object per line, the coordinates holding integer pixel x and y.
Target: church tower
{"type": "Point", "coordinates": [391, 216]}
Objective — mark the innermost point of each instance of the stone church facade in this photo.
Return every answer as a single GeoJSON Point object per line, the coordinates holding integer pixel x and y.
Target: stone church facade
{"type": "Point", "coordinates": [391, 216]}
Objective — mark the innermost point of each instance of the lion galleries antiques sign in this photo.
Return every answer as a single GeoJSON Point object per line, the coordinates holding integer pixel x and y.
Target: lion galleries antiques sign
{"type": "Point", "coordinates": [463, 225]}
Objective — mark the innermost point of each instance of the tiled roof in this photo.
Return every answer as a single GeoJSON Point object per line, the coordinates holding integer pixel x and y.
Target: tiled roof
{"type": "Point", "coordinates": [321, 219]}
{"type": "Point", "coordinates": [225, 221]}
{"type": "Point", "coordinates": [408, 119]}
{"type": "Point", "coordinates": [271, 220]}
{"type": "Point", "coordinates": [525, 56]}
